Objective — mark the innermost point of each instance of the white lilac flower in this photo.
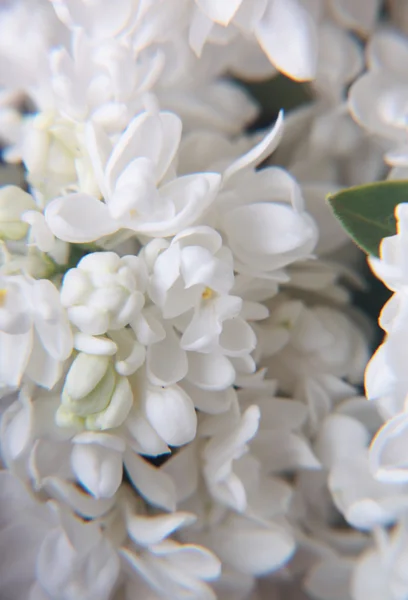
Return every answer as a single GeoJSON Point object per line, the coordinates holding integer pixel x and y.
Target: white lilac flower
{"type": "Point", "coordinates": [294, 356]}
{"type": "Point", "coordinates": [34, 330]}
{"type": "Point", "coordinates": [91, 84]}
{"type": "Point", "coordinates": [268, 22]}
{"type": "Point", "coordinates": [330, 578]}
{"type": "Point", "coordinates": [191, 282]}
{"type": "Point", "coordinates": [169, 568]}
{"type": "Point", "coordinates": [280, 443]}
{"type": "Point", "coordinates": [84, 556]}
{"type": "Point", "coordinates": [381, 571]}
{"type": "Point", "coordinates": [98, 19]}
{"type": "Point", "coordinates": [50, 442]}
{"type": "Point", "coordinates": [20, 70]}
{"type": "Point", "coordinates": [238, 504]}
{"type": "Point", "coordinates": [49, 149]}
{"type": "Point", "coordinates": [319, 166]}
{"type": "Point", "coordinates": [104, 292]}
{"type": "Point", "coordinates": [386, 82]}
{"type": "Point", "coordinates": [13, 203]}
{"type": "Point", "coordinates": [64, 557]}
{"type": "Point", "coordinates": [385, 376]}
{"type": "Point", "coordinates": [365, 502]}
{"type": "Point", "coordinates": [132, 179]}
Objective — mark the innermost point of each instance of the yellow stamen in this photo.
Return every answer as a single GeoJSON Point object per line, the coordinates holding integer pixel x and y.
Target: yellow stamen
{"type": "Point", "coordinates": [207, 293]}
{"type": "Point", "coordinates": [3, 294]}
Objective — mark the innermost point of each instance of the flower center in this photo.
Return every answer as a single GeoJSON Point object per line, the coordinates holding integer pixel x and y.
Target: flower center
{"type": "Point", "coordinates": [207, 293]}
{"type": "Point", "coordinates": [3, 294]}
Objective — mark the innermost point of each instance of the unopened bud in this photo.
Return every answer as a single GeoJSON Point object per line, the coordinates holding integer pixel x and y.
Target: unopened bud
{"type": "Point", "coordinates": [13, 203]}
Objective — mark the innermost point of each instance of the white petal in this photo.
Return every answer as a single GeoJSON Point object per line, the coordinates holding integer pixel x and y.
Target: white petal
{"type": "Point", "coordinates": [166, 362]}
{"type": "Point", "coordinates": [40, 231]}
{"type": "Point", "coordinates": [222, 447]}
{"type": "Point", "coordinates": [155, 137]}
{"type": "Point", "coordinates": [259, 152]}
{"type": "Point", "coordinates": [165, 273]}
{"type": "Point", "coordinates": [79, 218]}
{"type": "Point", "coordinates": [192, 195]}
{"type": "Point", "coordinates": [375, 102]}
{"type": "Point", "coordinates": [98, 469]}
{"type": "Point", "coordinates": [147, 439]}
{"type": "Point", "coordinates": [88, 319]}
{"type": "Point", "coordinates": [60, 567]}
{"type": "Point", "coordinates": [196, 560]}
{"type": "Point", "coordinates": [220, 12]}
{"type": "Point", "coordinates": [237, 337]}
{"type": "Point", "coordinates": [80, 502]}
{"type": "Point", "coordinates": [42, 368]}
{"type": "Point", "coordinates": [356, 15]}
{"type": "Point", "coordinates": [200, 29]}
{"type": "Point", "coordinates": [283, 20]}
{"type": "Point", "coordinates": [76, 286]}
{"type": "Point", "coordinates": [389, 451]}
{"type": "Point", "coordinates": [171, 412]}
{"type": "Point", "coordinates": [202, 235]}
{"type": "Point", "coordinates": [133, 361]}
{"type": "Point", "coordinates": [51, 323]}
{"type": "Point", "coordinates": [212, 402]}
{"type": "Point", "coordinates": [270, 547]}
{"type": "Point", "coordinates": [171, 130]}
{"type": "Point", "coordinates": [379, 377]}
{"type": "Point", "coordinates": [229, 492]}
{"type": "Point", "coordinates": [283, 451]}
{"type": "Point", "coordinates": [210, 371]}
{"type": "Point", "coordinates": [147, 530]}
{"type": "Point", "coordinates": [387, 50]}
{"type": "Point", "coordinates": [99, 148]}
{"type": "Point", "coordinates": [277, 413]}
{"type": "Point", "coordinates": [330, 580]}
{"type": "Point", "coordinates": [265, 229]}
{"type": "Point", "coordinates": [155, 485]}
{"type": "Point", "coordinates": [340, 437]}
{"type": "Point", "coordinates": [183, 468]}
{"type": "Point", "coordinates": [332, 235]}
{"type": "Point", "coordinates": [14, 356]}
{"type": "Point", "coordinates": [107, 440]}
{"type": "Point", "coordinates": [370, 578]}
{"type": "Point", "coordinates": [148, 329]}
{"type": "Point", "coordinates": [17, 429]}
{"type": "Point", "coordinates": [94, 345]}
{"type": "Point", "coordinates": [198, 265]}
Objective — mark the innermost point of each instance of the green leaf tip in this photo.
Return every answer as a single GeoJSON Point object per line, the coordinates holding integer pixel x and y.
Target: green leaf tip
{"type": "Point", "coordinates": [367, 212]}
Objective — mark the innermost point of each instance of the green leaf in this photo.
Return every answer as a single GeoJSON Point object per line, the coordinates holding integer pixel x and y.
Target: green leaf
{"type": "Point", "coordinates": [367, 212]}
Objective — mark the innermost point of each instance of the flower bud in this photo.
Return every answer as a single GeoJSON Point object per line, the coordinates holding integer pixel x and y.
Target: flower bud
{"type": "Point", "coordinates": [104, 292]}
{"type": "Point", "coordinates": [94, 396]}
{"type": "Point", "coordinates": [13, 203]}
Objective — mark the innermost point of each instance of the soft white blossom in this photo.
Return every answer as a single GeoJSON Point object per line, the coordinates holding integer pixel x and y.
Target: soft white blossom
{"type": "Point", "coordinates": [34, 330]}
{"type": "Point", "coordinates": [14, 202]}
{"type": "Point", "coordinates": [104, 292]}
{"type": "Point", "coordinates": [180, 363]}
{"type": "Point", "coordinates": [132, 179]}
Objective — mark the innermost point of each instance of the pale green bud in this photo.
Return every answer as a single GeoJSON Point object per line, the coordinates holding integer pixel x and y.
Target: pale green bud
{"type": "Point", "coordinates": [13, 203]}
{"type": "Point", "coordinates": [94, 396]}
{"type": "Point", "coordinates": [117, 409]}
